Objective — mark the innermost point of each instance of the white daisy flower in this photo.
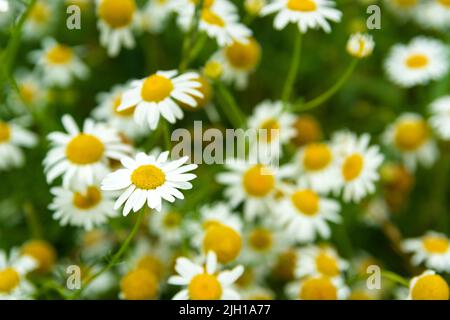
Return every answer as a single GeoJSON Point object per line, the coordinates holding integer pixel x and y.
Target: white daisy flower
{"type": "Point", "coordinates": [320, 261]}
{"type": "Point", "coordinates": [149, 179]}
{"type": "Point", "coordinates": [41, 19]}
{"type": "Point", "coordinates": [433, 14]}
{"type": "Point", "coordinates": [13, 271]}
{"type": "Point", "coordinates": [422, 60]}
{"type": "Point", "coordinates": [307, 14]}
{"type": "Point", "coordinates": [218, 18]}
{"type": "Point", "coordinates": [238, 60]}
{"type": "Point", "coordinates": [360, 45]}
{"type": "Point", "coordinates": [153, 18]}
{"type": "Point", "coordinates": [167, 225]}
{"type": "Point", "coordinates": [58, 63]}
{"type": "Point", "coordinates": [204, 282]}
{"type": "Point", "coordinates": [428, 286]}
{"type": "Point", "coordinates": [81, 157]}
{"type": "Point", "coordinates": [411, 137]}
{"type": "Point", "coordinates": [94, 243]}
{"type": "Point", "coordinates": [275, 126]}
{"type": "Point", "coordinates": [358, 166]}
{"type": "Point", "coordinates": [115, 20]}
{"type": "Point", "coordinates": [304, 214]}
{"type": "Point", "coordinates": [159, 94]}
{"type": "Point", "coordinates": [432, 249]}
{"type": "Point", "coordinates": [32, 92]}
{"type": "Point", "coordinates": [122, 121]}
{"type": "Point", "coordinates": [318, 288]}
{"type": "Point", "coordinates": [86, 208]}
{"type": "Point", "coordinates": [440, 116]}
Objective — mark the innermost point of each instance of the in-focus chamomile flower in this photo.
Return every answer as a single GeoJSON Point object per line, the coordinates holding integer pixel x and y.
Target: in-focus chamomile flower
{"type": "Point", "coordinates": [58, 63]}
{"type": "Point", "coordinates": [167, 225]}
{"type": "Point", "coordinates": [238, 60]}
{"type": "Point", "coordinates": [318, 288]}
{"type": "Point", "coordinates": [88, 208]}
{"type": "Point", "coordinates": [428, 286]}
{"type": "Point", "coordinates": [115, 20]}
{"type": "Point", "coordinates": [417, 63]}
{"type": "Point", "coordinates": [160, 94]}
{"type": "Point", "coordinates": [275, 126]}
{"type": "Point", "coordinates": [320, 261]}
{"type": "Point", "coordinates": [41, 19]}
{"type": "Point", "coordinates": [205, 282]}
{"type": "Point", "coordinates": [358, 166]}
{"type": "Point", "coordinates": [433, 14]}
{"type": "Point", "coordinates": [411, 136]}
{"type": "Point", "coordinates": [81, 157]}
{"type": "Point", "coordinates": [42, 252]}
{"type": "Point", "coordinates": [307, 14]}
{"type": "Point", "coordinates": [12, 139]}
{"type": "Point", "coordinates": [13, 271]}
{"type": "Point", "coordinates": [304, 214]}
{"type": "Point", "coordinates": [153, 17]}
{"type": "Point", "coordinates": [432, 249]}
{"type": "Point", "coordinates": [360, 45]}
{"type": "Point", "coordinates": [122, 121]}
{"type": "Point", "coordinates": [149, 179]}
{"type": "Point", "coordinates": [219, 19]}
{"type": "Point", "coordinates": [440, 116]}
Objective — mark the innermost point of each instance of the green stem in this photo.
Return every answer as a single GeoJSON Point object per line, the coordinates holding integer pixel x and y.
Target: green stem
{"type": "Point", "coordinates": [116, 257]}
{"type": "Point", "coordinates": [166, 134]}
{"type": "Point", "coordinates": [230, 107]}
{"type": "Point", "coordinates": [395, 278]}
{"type": "Point", "coordinates": [329, 93]}
{"type": "Point", "coordinates": [33, 220]}
{"type": "Point", "coordinates": [293, 68]}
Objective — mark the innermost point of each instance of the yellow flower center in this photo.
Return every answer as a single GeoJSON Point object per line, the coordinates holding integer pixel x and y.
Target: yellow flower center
{"type": "Point", "coordinates": [148, 177]}
{"type": "Point", "coordinates": [435, 244]}
{"type": "Point", "coordinates": [117, 13]}
{"type": "Point", "coordinates": [59, 54]}
{"type": "Point", "coordinates": [308, 130]}
{"type": "Point", "coordinates": [352, 167]}
{"type": "Point", "coordinates": [286, 264]}
{"type": "Point", "coordinates": [213, 18]}
{"type": "Point", "coordinates": [406, 3]}
{"type": "Point", "coordinates": [302, 5]}
{"type": "Point", "coordinates": [243, 56]}
{"type": "Point", "coordinates": [258, 181]}
{"type": "Point", "coordinates": [205, 287]}
{"type": "Point", "coordinates": [316, 157]}
{"type": "Point", "coordinates": [5, 132]}
{"type": "Point", "coordinates": [27, 92]}
{"type": "Point", "coordinates": [271, 127]}
{"type": "Point", "coordinates": [9, 280]}
{"type": "Point", "coordinates": [40, 12]}
{"type": "Point", "coordinates": [261, 239]}
{"type": "Point", "coordinates": [156, 88]}
{"type": "Point", "coordinates": [306, 201]}
{"type": "Point", "coordinates": [417, 61]}
{"type": "Point", "coordinates": [85, 149]}
{"type": "Point", "coordinates": [445, 3]}
{"type": "Point", "coordinates": [430, 287]}
{"type": "Point", "coordinates": [327, 265]}
{"type": "Point", "coordinates": [224, 241]}
{"type": "Point", "coordinates": [139, 284]}
{"type": "Point", "coordinates": [172, 220]}
{"type": "Point", "coordinates": [128, 112]}
{"type": "Point", "coordinates": [152, 264]}
{"type": "Point", "coordinates": [213, 69]}
{"type": "Point", "coordinates": [43, 252]}
{"type": "Point", "coordinates": [410, 135]}
{"type": "Point", "coordinates": [318, 289]}
{"type": "Point", "coordinates": [90, 199]}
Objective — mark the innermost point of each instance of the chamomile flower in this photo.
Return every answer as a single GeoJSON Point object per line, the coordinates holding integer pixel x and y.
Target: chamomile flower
{"type": "Point", "coordinates": [160, 94]}
{"type": "Point", "coordinates": [254, 7]}
{"type": "Point", "coordinates": [13, 271]}
{"type": "Point", "coordinates": [31, 92]}
{"type": "Point", "coordinates": [307, 14]}
{"type": "Point", "coordinates": [167, 224]}
{"type": "Point", "coordinates": [41, 19]}
{"type": "Point", "coordinates": [411, 137]}
{"type": "Point", "coordinates": [219, 19]}
{"type": "Point", "coordinates": [122, 121]}
{"type": "Point", "coordinates": [149, 179]}
{"type": "Point", "coordinates": [154, 16]}
{"type": "Point", "coordinates": [417, 63]}
{"type": "Point", "coordinates": [428, 286]}
{"type": "Point", "coordinates": [318, 288]}
{"type": "Point", "coordinates": [81, 157]}
{"type": "Point", "coordinates": [238, 61]}
{"type": "Point", "coordinates": [360, 45]}
{"type": "Point", "coordinates": [358, 166]}
{"type": "Point", "coordinates": [257, 293]}
{"type": "Point", "coordinates": [12, 139]}
{"type": "Point", "coordinates": [376, 212]}
{"type": "Point", "coordinates": [42, 252]}
{"type": "Point", "coordinates": [275, 126]}
{"type": "Point", "coordinates": [304, 214]}
{"type": "Point", "coordinates": [115, 20]}
{"type": "Point", "coordinates": [307, 130]}
{"type": "Point", "coordinates": [434, 14]}
{"type": "Point", "coordinates": [204, 282]}
{"type": "Point", "coordinates": [87, 208]}
{"type": "Point", "coordinates": [94, 243]}
{"type": "Point", "coordinates": [440, 116]}
{"type": "Point", "coordinates": [320, 261]}
{"type": "Point", "coordinates": [432, 249]}
{"type": "Point", "coordinates": [58, 63]}
{"type": "Point", "coordinates": [139, 284]}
